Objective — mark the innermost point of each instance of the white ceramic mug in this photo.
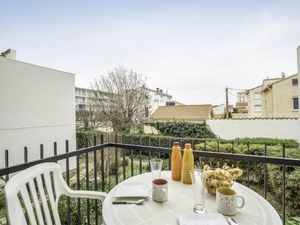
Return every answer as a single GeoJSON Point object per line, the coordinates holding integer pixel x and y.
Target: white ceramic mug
{"type": "Point", "coordinates": [227, 201]}
{"type": "Point", "coordinates": [160, 190]}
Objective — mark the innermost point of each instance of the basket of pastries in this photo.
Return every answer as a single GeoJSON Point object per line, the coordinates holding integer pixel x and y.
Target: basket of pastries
{"type": "Point", "coordinates": [220, 177]}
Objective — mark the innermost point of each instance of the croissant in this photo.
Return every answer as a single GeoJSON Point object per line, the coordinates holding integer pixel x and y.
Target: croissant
{"type": "Point", "coordinates": [220, 177]}
{"type": "Point", "coordinates": [237, 172]}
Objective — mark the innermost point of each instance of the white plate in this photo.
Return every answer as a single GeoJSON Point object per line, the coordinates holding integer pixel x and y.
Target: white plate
{"type": "Point", "coordinates": [202, 219]}
{"type": "Point", "coordinates": [132, 190]}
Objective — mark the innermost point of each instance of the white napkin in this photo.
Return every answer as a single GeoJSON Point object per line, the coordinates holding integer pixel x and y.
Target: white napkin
{"type": "Point", "coordinates": [132, 190]}
{"type": "Point", "coordinates": [202, 219]}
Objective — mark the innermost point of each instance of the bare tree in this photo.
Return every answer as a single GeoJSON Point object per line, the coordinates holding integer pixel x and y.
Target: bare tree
{"type": "Point", "coordinates": [121, 98]}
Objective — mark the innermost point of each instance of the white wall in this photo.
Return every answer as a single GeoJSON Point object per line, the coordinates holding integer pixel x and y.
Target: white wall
{"type": "Point", "coordinates": [267, 128]}
{"type": "Point", "coordinates": [36, 107]}
{"type": "Point", "coordinates": [298, 69]}
{"type": "Point", "coordinates": [252, 101]}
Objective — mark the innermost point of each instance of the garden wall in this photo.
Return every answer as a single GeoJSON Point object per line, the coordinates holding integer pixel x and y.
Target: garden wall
{"type": "Point", "coordinates": [252, 128]}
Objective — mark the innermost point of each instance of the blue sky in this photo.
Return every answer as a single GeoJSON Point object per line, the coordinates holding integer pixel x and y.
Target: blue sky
{"type": "Point", "coordinates": [192, 48]}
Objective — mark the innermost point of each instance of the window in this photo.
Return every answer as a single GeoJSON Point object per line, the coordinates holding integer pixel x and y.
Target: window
{"type": "Point", "coordinates": [257, 108]}
{"type": "Point", "coordinates": [295, 103]}
{"type": "Point", "coordinates": [257, 95]}
{"type": "Point", "coordinates": [295, 82]}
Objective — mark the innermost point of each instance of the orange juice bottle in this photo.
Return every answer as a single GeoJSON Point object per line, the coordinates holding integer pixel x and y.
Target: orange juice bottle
{"type": "Point", "coordinates": [187, 164]}
{"type": "Point", "coordinates": [176, 161]}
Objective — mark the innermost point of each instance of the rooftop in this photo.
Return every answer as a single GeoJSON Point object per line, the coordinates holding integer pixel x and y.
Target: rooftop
{"type": "Point", "coordinates": [183, 112]}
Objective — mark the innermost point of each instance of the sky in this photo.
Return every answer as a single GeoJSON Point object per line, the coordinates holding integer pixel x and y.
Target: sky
{"type": "Point", "coordinates": [192, 49]}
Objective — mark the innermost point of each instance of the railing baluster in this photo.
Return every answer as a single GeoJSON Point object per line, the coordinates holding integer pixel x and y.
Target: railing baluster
{"type": "Point", "coordinates": [140, 162]}
{"type": "Point", "coordinates": [131, 159]}
{"type": "Point", "coordinates": [95, 179]}
{"type": "Point", "coordinates": [7, 176]}
{"type": "Point", "coordinates": [55, 149]}
{"type": "Point", "coordinates": [193, 147]}
{"type": "Point", "coordinates": [123, 159]}
{"type": "Point", "coordinates": [283, 183]}
{"type": "Point", "coordinates": [25, 155]}
{"type": "Point", "coordinates": [218, 144]}
{"type": "Point", "coordinates": [116, 162]}
{"type": "Point", "coordinates": [149, 144]}
{"type": "Point", "coordinates": [102, 164]}
{"type": "Point", "coordinates": [78, 188]}
{"type": "Point", "coordinates": [170, 146]}
{"type": "Point", "coordinates": [68, 183]}
{"type": "Point", "coordinates": [87, 183]}
{"type": "Point", "coordinates": [265, 173]}
{"type": "Point", "coordinates": [6, 164]}
{"type": "Point", "coordinates": [204, 149]}
{"type": "Point", "coordinates": [41, 151]}
{"type": "Point", "coordinates": [140, 159]}
{"type": "Point", "coordinates": [159, 146]}
{"type": "Point", "coordinates": [248, 165]}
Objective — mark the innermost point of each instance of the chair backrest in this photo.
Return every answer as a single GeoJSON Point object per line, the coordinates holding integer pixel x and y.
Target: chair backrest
{"type": "Point", "coordinates": [32, 195]}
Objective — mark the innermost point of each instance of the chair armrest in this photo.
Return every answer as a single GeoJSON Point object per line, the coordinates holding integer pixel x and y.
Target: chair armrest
{"type": "Point", "coordinates": [86, 194]}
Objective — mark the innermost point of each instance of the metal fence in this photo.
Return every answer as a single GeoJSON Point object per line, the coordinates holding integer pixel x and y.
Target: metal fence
{"type": "Point", "coordinates": [95, 157]}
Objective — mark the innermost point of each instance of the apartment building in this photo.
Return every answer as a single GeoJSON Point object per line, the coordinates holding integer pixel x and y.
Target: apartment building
{"type": "Point", "coordinates": [82, 98]}
{"type": "Point", "coordinates": [280, 98]}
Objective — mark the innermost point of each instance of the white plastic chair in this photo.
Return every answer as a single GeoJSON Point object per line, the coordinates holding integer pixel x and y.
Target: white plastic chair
{"type": "Point", "coordinates": [37, 189]}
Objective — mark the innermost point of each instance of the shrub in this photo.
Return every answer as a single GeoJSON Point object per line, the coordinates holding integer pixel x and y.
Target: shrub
{"type": "Point", "coordinates": [183, 129]}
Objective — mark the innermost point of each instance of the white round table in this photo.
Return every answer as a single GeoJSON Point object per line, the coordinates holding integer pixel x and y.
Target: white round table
{"type": "Point", "coordinates": [257, 210]}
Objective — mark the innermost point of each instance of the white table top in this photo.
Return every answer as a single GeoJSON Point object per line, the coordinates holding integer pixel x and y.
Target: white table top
{"type": "Point", "coordinates": [257, 210]}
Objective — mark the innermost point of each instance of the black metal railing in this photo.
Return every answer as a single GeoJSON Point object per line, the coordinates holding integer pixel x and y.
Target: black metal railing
{"type": "Point", "coordinates": [107, 167]}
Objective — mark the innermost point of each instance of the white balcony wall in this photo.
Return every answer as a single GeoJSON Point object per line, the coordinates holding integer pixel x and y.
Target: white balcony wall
{"type": "Point", "coordinates": [36, 107]}
{"type": "Point", "coordinates": [253, 128]}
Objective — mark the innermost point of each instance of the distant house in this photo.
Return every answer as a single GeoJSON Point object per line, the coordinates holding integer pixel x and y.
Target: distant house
{"type": "Point", "coordinates": [280, 98]}
{"type": "Point", "coordinates": [254, 98]}
{"type": "Point", "coordinates": [254, 101]}
{"type": "Point", "coordinates": [241, 106]}
{"type": "Point", "coordinates": [219, 111]}
{"type": "Point", "coordinates": [157, 98]}
{"type": "Point", "coordinates": [189, 113]}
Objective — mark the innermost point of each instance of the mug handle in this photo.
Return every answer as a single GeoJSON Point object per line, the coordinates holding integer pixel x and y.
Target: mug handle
{"type": "Point", "coordinates": [243, 202]}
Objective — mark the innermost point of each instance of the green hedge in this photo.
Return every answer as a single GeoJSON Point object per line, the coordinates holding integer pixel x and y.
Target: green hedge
{"type": "Point", "coordinates": [183, 129]}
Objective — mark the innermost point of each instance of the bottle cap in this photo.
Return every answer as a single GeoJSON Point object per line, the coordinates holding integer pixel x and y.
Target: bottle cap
{"type": "Point", "coordinates": [175, 143]}
{"type": "Point", "coordinates": [187, 145]}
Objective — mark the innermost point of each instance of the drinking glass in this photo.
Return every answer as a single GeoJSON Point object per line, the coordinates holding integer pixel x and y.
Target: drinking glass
{"type": "Point", "coordinates": [198, 183]}
{"type": "Point", "coordinates": [156, 165]}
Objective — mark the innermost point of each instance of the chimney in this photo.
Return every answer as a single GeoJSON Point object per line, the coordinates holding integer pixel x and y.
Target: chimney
{"type": "Point", "coordinates": [9, 54]}
{"type": "Point", "coordinates": [157, 89]}
{"type": "Point", "coordinates": [282, 74]}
